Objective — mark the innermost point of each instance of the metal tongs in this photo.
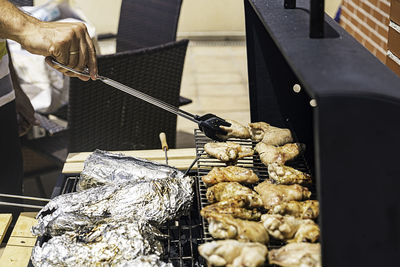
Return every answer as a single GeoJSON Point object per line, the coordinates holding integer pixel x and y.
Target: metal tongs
{"type": "Point", "coordinates": [208, 123]}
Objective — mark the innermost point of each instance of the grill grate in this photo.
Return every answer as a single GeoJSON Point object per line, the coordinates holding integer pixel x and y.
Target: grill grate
{"type": "Point", "coordinates": [205, 164]}
{"type": "Point", "coordinates": [184, 235]}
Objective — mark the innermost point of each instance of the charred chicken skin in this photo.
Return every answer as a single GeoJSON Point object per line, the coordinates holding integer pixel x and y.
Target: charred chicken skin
{"type": "Point", "coordinates": [237, 207]}
{"type": "Point", "coordinates": [273, 194]}
{"type": "Point", "coordinates": [233, 253]}
{"type": "Point", "coordinates": [272, 154]}
{"type": "Point", "coordinates": [308, 209]}
{"type": "Point", "coordinates": [230, 174]}
{"type": "Point", "coordinates": [282, 174]}
{"type": "Point", "coordinates": [227, 151]}
{"type": "Point", "coordinates": [291, 229]}
{"type": "Point", "coordinates": [236, 130]}
{"type": "Point", "coordinates": [223, 226]}
{"type": "Point", "coordinates": [270, 135]}
{"type": "Point", "coordinates": [226, 191]}
{"type": "Point", "coordinates": [296, 255]}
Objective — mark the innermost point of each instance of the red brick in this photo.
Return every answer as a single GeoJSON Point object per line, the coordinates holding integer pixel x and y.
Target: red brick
{"type": "Point", "coordinates": [366, 7]}
{"type": "Point", "coordinates": [374, 2]}
{"type": "Point", "coordinates": [371, 23]}
{"type": "Point", "coordinates": [383, 32]}
{"type": "Point", "coordinates": [385, 8]}
{"type": "Point", "coordinates": [381, 56]}
{"type": "Point", "coordinates": [395, 11]}
{"type": "Point", "coordinates": [394, 42]}
{"type": "Point", "coordinates": [393, 65]}
{"type": "Point", "coordinates": [369, 46]}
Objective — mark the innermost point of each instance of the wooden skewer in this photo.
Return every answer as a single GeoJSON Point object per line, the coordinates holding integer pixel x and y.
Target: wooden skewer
{"type": "Point", "coordinates": [164, 145]}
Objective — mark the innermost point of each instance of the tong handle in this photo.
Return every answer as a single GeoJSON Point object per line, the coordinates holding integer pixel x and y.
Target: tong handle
{"type": "Point", "coordinates": [85, 71]}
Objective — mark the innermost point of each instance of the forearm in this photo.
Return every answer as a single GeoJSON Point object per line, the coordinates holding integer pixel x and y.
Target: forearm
{"type": "Point", "coordinates": [15, 24]}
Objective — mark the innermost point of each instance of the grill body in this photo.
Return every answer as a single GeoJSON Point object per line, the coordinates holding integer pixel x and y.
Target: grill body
{"type": "Point", "coordinates": [351, 134]}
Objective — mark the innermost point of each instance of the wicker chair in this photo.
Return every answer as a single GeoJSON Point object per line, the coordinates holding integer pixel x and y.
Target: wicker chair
{"type": "Point", "coordinates": [100, 116]}
{"type": "Point", "coordinates": [103, 117]}
{"type": "Point", "coordinates": [146, 23]}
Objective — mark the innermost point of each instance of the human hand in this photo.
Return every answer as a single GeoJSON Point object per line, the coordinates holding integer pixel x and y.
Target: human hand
{"type": "Point", "coordinates": [25, 112]}
{"type": "Point", "coordinates": [67, 43]}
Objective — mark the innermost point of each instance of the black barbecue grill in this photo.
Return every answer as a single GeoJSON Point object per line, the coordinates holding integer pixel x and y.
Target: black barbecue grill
{"type": "Point", "coordinates": [346, 109]}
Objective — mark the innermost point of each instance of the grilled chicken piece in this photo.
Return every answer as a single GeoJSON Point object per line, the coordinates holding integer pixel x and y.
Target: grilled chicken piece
{"type": "Point", "coordinates": [308, 209]}
{"type": "Point", "coordinates": [233, 253]}
{"type": "Point", "coordinates": [282, 174]}
{"type": "Point", "coordinates": [230, 174]}
{"type": "Point", "coordinates": [290, 228]}
{"type": "Point", "coordinates": [273, 194]}
{"type": "Point", "coordinates": [237, 207]}
{"type": "Point", "coordinates": [226, 191]}
{"type": "Point", "coordinates": [270, 154]}
{"type": "Point", "coordinates": [228, 151]}
{"type": "Point", "coordinates": [270, 135]}
{"type": "Point", "coordinates": [223, 226]}
{"type": "Point", "coordinates": [296, 255]}
{"type": "Point", "coordinates": [236, 130]}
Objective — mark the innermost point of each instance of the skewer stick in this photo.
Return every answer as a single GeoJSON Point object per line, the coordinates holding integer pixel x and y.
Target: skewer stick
{"type": "Point", "coordinates": [164, 145]}
{"type": "Point", "coordinates": [20, 205]}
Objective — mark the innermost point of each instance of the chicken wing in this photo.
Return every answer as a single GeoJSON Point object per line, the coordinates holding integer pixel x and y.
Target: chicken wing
{"type": "Point", "coordinates": [290, 228]}
{"type": "Point", "coordinates": [296, 255]}
{"type": "Point", "coordinates": [237, 207]}
{"type": "Point", "coordinates": [270, 154]}
{"type": "Point", "coordinates": [308, 209]}
{"type": "Point", "coordinates": [230, 174]}
{"type": "Point", "coordinates": [226, 191]}
{"type": "Point", "coordinates": [233, 253]}
{"type": "Point", "coordinates": [273, 194]}
{"type": "Point", "coordinates": [223, 226]}
{"type": "Point", "coordinates": [236, 130]}
{"type": "Point", "coordinates": [228, 151]}
{"type": "Point", "coordinates": [270, 135]}
{"type": "Point", "coordinates": [282, 174]}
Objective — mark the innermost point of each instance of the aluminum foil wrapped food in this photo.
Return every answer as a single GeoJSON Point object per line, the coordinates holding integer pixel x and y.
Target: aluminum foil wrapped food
{"type": "Point", "coordinates": [110, 243]}
{"type": "Point", "coordinates": [154, 201]}
{"type": "Point", "coordinates": [103, 167]}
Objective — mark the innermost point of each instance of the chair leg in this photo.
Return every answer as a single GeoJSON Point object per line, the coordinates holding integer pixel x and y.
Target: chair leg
{"type": "Point", "coordinates": [40, 186]}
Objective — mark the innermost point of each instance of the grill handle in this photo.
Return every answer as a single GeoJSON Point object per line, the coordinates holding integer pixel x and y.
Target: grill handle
{"type": "Point", "coordinates": [317, 13]}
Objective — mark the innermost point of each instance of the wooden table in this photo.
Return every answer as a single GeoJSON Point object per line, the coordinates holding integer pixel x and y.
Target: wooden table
{"type": "Point", "coordinates": [21, 242]}
{"type": "Point", "coordinates": [179, 158]}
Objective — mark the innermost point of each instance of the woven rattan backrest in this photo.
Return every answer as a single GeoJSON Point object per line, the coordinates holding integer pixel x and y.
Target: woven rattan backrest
{"type": "Point", "coordinates": [100, 116]}
{"type": "Point", "coordinates": [145, 23]}
{"type": "Point", "coordinates": [22, 2]}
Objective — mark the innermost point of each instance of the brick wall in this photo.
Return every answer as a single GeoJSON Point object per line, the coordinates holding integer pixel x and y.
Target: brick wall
{"type": "Point", "coordinates": [368, 22]}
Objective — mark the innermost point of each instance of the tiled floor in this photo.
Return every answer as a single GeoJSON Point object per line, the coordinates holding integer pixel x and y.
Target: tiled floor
{"type": "Point", "coordinates": [215, 78]}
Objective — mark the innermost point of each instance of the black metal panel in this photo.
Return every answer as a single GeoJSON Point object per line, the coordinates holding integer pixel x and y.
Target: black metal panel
{"type": "Point", "coordinates": [356, 126]}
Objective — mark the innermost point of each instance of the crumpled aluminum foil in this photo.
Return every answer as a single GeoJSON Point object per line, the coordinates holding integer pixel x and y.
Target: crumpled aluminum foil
{"type": "Point", "coordinates": [110, 243]}
{"type": "Point", "coordinates": [155, 201]}
{"type": "Point", "coordinates": [103, 167]}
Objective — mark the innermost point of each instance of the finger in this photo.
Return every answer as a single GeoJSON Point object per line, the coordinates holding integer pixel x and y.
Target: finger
{"type": "Point", "coordinates": [60, 53]}
{"type": "Point", "coordinates": [74, 52]}
{"type": "Point", "coordinates": [83, 55]}
{"type": "Point", "coordinates": [49, 60]}
{"type": "Point", "coordinates": [91, 60]}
